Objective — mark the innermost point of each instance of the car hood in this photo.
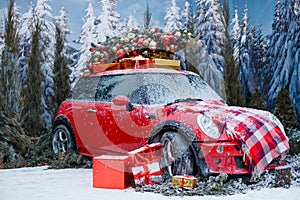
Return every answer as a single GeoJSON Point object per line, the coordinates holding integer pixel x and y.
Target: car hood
{"type": "Point", "coordinates": [232, 120]}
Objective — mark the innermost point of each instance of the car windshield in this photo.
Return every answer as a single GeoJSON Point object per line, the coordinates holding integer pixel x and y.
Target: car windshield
{"type": "Point", "coordinates": [154, 88]}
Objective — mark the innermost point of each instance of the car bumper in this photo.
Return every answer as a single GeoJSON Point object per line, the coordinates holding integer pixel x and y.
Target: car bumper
{"type": "Point", "coordinates": [226, 157]}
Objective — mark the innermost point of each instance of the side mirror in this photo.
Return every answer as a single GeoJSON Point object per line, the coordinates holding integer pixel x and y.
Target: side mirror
{"type": "Point", "coordinates": [123, 101]}
{"type": "Point", "coordinates": [120, 100]}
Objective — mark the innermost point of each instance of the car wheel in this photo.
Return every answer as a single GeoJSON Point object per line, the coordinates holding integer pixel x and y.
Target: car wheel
{"type": "Point", "coordinates": [62, 140]}
{"type": "Point", "coordinates": [178, 158]}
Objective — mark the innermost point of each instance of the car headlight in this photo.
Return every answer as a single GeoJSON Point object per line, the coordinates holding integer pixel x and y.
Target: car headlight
{"type": "Point", "coordinates": [208, 126]}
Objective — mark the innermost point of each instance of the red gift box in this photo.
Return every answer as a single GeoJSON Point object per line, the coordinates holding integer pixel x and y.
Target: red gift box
{"type": "Point", "coordinates": [111, 172]}
{"type": "Point", "coordinates": [145, 164]}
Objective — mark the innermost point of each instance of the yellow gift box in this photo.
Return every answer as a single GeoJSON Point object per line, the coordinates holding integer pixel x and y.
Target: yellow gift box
{"type": "Point", "coordinates": [165, 63]}
{"type": "Point", "coordinates": [185, 181]}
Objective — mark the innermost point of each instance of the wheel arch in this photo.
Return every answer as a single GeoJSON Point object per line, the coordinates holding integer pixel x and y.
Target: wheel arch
{"type": "Point", "coordinates": [180, 128]}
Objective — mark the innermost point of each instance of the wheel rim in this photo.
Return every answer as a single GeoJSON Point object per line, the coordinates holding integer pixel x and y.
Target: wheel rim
{"type": "Point", "coordinates": [60, 141]}
{"type": "Point", "coordinates": [169, 156]}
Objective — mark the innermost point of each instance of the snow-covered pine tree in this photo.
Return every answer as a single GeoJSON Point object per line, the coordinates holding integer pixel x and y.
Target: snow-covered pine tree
{"type": "Point", "coordinates": [47, 39]}
{"type": "Point", "coordinates": [69, 52]}
{"type": "Point", "coordinates": [273, 38]}
{"type": "Point", "coordinates": [26, 29]}
{"type": "Point", "coordinates": [62, 22]}
{"type": "Point", "coordinates": [109, 20]}
{"type": "Point", "coordinates": [1, 37]}
{"type": "Point", "coordinates": [173, 19]}
{"type": "Point", "coordinates": [187, 16]}
{"type": "Point", "coordinates": [210, 31]}
{"type": "Point", "coordinates": [244, 60]}
{"type": "Point", "coordinates": [61, 85]}
{"type": "Point", "coordinates": [285, 54]}
{"type": "Point", "coordinates": [233, 86]}
{"type": "Point", "coordinates": [132, 22]}
{"type": "Point", "coordinates": [235, 35]}
{"type": "Point", "coordinates": [87, 36]}
{"type": "Point", "coordinates": [147, 17]}
{"type": "Point", "coordinates": [11, 86]}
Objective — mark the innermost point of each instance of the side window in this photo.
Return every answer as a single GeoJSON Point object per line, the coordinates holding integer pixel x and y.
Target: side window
{"type": "Point", "coordinates": [85, 89]}
{"type": "Point", "coordinates": [105, 88]}
{"type": "Point", "coordinates": [110, 86]}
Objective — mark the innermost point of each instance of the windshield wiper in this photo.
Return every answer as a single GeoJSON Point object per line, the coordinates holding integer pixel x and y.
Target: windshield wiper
{"type": "Point", "coordinates": [184, 100]}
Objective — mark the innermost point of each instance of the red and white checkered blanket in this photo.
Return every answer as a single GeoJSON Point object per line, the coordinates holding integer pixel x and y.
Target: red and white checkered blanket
{"type": "Point", "coordinates": [262, 135]}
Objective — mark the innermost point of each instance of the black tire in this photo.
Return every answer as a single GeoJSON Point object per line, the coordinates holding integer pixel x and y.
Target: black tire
{"type": "Point", "coordinates": [178, 158]}
{"type": "Point", "coordinates": [62, 140]}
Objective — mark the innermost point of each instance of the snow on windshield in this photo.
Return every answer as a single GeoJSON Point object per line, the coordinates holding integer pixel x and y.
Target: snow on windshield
{"type": "Point", "coordinates": [154, 88]}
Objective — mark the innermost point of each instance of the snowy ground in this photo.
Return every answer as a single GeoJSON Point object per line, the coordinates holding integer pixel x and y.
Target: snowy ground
{"type": "Point", "coordinates": [72, 184]}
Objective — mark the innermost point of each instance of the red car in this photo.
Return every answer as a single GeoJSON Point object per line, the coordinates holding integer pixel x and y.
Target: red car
{"type": "Point", "coordinates": [117, 111]}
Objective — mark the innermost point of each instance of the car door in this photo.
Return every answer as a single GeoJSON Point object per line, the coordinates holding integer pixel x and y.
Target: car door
{"type": "Point", "coordinates": [84, 115]}
{"type": "Point", "coordinates": [125, 128]}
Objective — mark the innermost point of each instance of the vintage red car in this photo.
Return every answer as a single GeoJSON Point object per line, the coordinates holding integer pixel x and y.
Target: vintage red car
{"type": "Point", "coordinates": [117, 111]}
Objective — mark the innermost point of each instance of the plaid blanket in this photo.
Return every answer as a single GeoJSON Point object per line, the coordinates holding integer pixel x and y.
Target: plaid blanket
{"type": "Point", "coordinates": [261, 134]}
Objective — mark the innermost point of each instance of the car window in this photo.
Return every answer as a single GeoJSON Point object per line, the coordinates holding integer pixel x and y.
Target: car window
{"type": "Point", "coordinates": [85, 89]}
{"type": "Point", "coordinates": [153, 88]}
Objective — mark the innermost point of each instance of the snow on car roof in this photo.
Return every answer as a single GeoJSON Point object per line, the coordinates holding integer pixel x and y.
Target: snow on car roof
{"type": "Point", "coordinates": [148, 70]}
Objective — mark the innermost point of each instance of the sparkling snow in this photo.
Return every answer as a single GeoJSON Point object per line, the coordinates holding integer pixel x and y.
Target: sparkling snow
{"type": "Point", "coordinates": [72, 184]}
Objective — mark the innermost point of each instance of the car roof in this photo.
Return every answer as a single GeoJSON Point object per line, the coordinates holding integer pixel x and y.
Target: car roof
{"type": "Point", "coordinates": [134, 71]}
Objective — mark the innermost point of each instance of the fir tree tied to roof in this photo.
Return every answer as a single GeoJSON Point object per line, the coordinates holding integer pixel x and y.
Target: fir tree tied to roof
{"type": "Point", "coordinates": [148, 43]}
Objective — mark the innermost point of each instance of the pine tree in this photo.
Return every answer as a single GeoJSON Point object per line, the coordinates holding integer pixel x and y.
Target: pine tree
{"type": "Point", "coordinates": [172, 17]}
{"type": "Point", "coordinates": [236, 35]}
{"type": "Point", "coordinates": [87, 36]}
{"type": "Point", "coordinates": [33, 108]}
{"type": "Point", "coordinates": [147, 17]}
{"type": "Point", "coordinates": [61, 71]}
{"type": "Point", "coordinates": [257, 100]}
{"type": "Point", "coordinates": [268, 72]}
{"type": "Point", "coordinates": [109, 20]}
{"type": "Point", "coordinates": [188, 17]}
{"type": "Point", "coordinates": [284, 54]}
{"type": "Point", "coordinates": [285, 110]}
{"type": "Point", "coordinates": [10, 89]}
{"type": "Point", "coordinates": [62, 22]}
{"type": "Point", "coordinates": [233, 87]}
{"type": "Point", "coordinates": [210, 30]}
{"type": "Point", "coordinates": [47, 39]}
{"type": "Point", "coordinates": [1, 37]}
{"type": "Point", "coordinates": [132, 23]}
{"type": "Point", "coordinates": [244, 60]}
{"type": "Point", "coordinates": [258, 58]}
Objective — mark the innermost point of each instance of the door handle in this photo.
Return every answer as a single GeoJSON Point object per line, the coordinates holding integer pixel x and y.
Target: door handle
{"type": "Point", "coordinates": [92, 110]}
{"type": "Point", "coordinates": [150, 117]}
